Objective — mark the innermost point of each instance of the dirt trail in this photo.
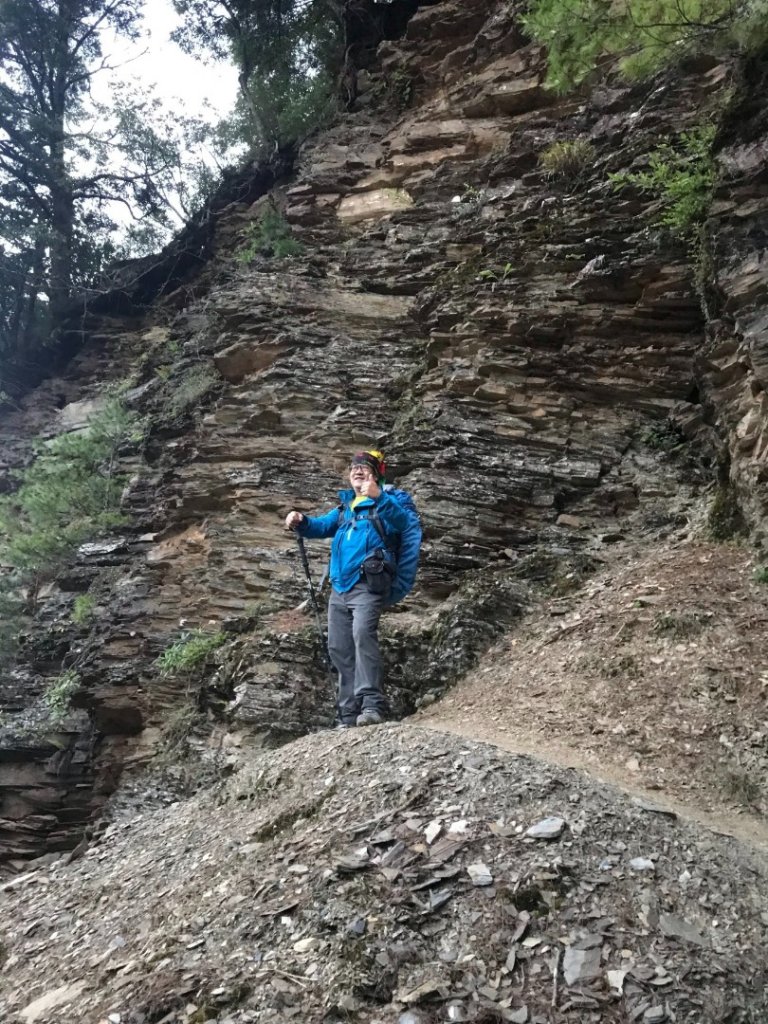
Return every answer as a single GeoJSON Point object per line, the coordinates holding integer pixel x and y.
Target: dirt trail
{"type": "Point", "coordinates": [651, 677]}
{"type": "Point", "coordinates": [747, 828]}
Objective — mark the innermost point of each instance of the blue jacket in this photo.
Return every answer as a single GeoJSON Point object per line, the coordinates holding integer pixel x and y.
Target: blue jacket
{"type": "Point", "coordinates": [355, 537]}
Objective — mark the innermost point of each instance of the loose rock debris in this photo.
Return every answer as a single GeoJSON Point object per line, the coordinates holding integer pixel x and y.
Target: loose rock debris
{"type": "Point", "coordinates": [306, 888]}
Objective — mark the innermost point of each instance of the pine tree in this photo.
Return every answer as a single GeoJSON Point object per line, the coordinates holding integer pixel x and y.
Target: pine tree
{"type": "Point", "coordinates": [645, 34]}
{"type": "Point", "coordinates": [65, 161]}
{"type": "Point", "coordinates": [50, 50]}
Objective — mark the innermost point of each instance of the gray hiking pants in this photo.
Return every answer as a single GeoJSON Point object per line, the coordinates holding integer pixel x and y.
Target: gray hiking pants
{"type": "Point", "coordinates": [353, 644]}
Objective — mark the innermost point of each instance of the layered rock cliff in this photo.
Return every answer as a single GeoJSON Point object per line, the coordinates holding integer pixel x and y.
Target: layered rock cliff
{"type": "Point", "coordinates": [509, 337]}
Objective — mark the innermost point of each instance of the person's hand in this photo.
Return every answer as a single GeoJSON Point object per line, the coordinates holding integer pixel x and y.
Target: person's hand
{"type": "Point", "coordinates": [293, 519]}
{"type": "Point", "coordinates": [370, 488]}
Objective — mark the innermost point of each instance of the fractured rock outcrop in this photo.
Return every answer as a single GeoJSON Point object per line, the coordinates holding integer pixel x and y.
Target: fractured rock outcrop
{"type": "Point", "coordinates": [507, 336]}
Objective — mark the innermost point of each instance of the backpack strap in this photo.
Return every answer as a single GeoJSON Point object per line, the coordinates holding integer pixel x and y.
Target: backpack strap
{"type": "Point", "coordinates": [375, 518]}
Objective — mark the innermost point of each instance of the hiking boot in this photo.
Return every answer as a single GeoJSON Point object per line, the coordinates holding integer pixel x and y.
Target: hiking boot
{"type": "Point", "coordinates": [370, 717]}
{"type": "Point", "coordinates": [344, 725]}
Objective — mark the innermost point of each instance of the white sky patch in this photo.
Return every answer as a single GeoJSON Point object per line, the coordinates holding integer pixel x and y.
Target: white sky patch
{"type": "Point", "coordinates": [202, 88]}
{"type": "Point", "coordinates": [205, 90]}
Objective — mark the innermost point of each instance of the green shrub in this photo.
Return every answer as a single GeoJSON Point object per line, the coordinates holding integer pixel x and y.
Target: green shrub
{"type": "Point", "coordinates": [500, 274]}
{"type": "Point", "coordinates": [270, 235]}
{"type": "Point", "coordinates": [58, 696]}
{"type": "Point", "coordinates": [681, 177]}
{"type": "Point", "coordinates": [82, 609]}
{"type": "Point", "coordinates": [664, 437]}
{"type": "Point", "coordinates": [11, 616]}
{"type": "Point", "coordinates": [760, 575]}
{"type": "Point", "coordinates": [567, 160]}
{"type": "Point", "coordinates": [69, 494]}
{"type": "Point", "coordinates": [189, 651]}
{"type": "Point", "coordinates": [646, 34]}
{"type": "Point", "coordinates": [400, 89]}
{"type": "Point", "coordinates": [192, 387]}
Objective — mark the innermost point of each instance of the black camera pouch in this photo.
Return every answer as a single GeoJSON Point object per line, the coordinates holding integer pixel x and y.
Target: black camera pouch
{"type": "Point", "coordinates": [377, 573]}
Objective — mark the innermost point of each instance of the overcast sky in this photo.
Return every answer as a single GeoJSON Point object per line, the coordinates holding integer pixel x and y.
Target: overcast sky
{"type": "Point", "coordinates": [206, 90]}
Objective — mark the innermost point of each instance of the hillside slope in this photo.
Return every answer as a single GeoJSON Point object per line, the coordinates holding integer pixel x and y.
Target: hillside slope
{"type": "Point", "coordinates": [392, 876]}
{"type": "Point", "coordinates": [650, 674]}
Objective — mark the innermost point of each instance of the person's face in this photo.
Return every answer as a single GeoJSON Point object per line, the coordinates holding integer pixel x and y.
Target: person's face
{"type": "Point", "coordinates": [358, 475]}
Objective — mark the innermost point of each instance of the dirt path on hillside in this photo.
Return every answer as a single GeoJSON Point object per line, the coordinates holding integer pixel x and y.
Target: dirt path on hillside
{"type": "Point", "coordinates": [651, 677]}
{"type": "Point", "coordinates": [745, 827]}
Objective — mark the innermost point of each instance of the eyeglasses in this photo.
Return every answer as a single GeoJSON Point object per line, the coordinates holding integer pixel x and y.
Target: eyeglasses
{"type": "Point", "coordinates": [365, 470]}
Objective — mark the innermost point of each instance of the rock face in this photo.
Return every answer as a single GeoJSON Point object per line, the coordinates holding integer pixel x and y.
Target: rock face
{"type": "Point", "coordinates": [508, 338]}
{"type": "Point", "coordinates": [734, 365]}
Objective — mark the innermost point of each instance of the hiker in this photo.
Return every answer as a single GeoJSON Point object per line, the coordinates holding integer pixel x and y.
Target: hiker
{"type": "Point", "coordinates": [376, 537]}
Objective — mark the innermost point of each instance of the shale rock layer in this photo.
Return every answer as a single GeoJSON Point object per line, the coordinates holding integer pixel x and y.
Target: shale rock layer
{"type": "Point", "coordinates": [508, 336]}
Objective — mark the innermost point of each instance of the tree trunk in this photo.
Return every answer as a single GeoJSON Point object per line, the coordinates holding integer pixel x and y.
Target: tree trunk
{"type": "Point", "coordinates": [62, 229]}
{"type": "Point", "coordinates": [33, 330]}
{"type": "Point", "coordinates": [62, 201]}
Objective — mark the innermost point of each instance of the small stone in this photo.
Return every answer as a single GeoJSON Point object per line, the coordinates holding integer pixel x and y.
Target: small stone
{"type": "Point", "coordinates": [304, 945]}
{"type": "Point", "coordinates": [355, 861]}
{"type": "Point", "coordinates": [642, 864]}
{"type": "Point", "coordinates": [428, 988]}
{"type": "Point", "coordinates": [519, 1016]}
{"type": "Point", "coordinates": [521, 924]}
{"type": "Point", "coordinates": [580, 964]}
{"type": "Point", "coordinates": [358, 927]}
{"type": "Point", "coordinates": [50, 1001]}
{"type": "Point", "coordinates": [655, 1015]}
{"type": "Point", "coordinates": [348, 1002]}
{"type": "Point", "coordinates": [677, 928]}
{"type": "Point", "coordinates": [616, 980]}
{"type": "Point", "coordinates": [548, 828]}
{"type": "Point", "coordinates": [480, 874]}
{"type": "Point", "coordinates": [432, 831]}
{"type": "Point", "coordinates": [458, 1012]}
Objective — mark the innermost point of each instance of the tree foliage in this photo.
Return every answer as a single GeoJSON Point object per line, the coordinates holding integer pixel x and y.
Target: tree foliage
{"type": "Point", "coordinates": [68, 162]}
{"type": "Point", "coordinates": [645, 34]}
{"type": "Point", "coordinates": [288, 52]}
{"type": "Point", "coordinates": [49, 52]}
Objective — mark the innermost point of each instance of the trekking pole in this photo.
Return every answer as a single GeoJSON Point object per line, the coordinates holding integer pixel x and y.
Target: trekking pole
{"type": "Point", "coordinates": [312, 594]}
{"type": "Point", "coordinates": [316, 608]}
